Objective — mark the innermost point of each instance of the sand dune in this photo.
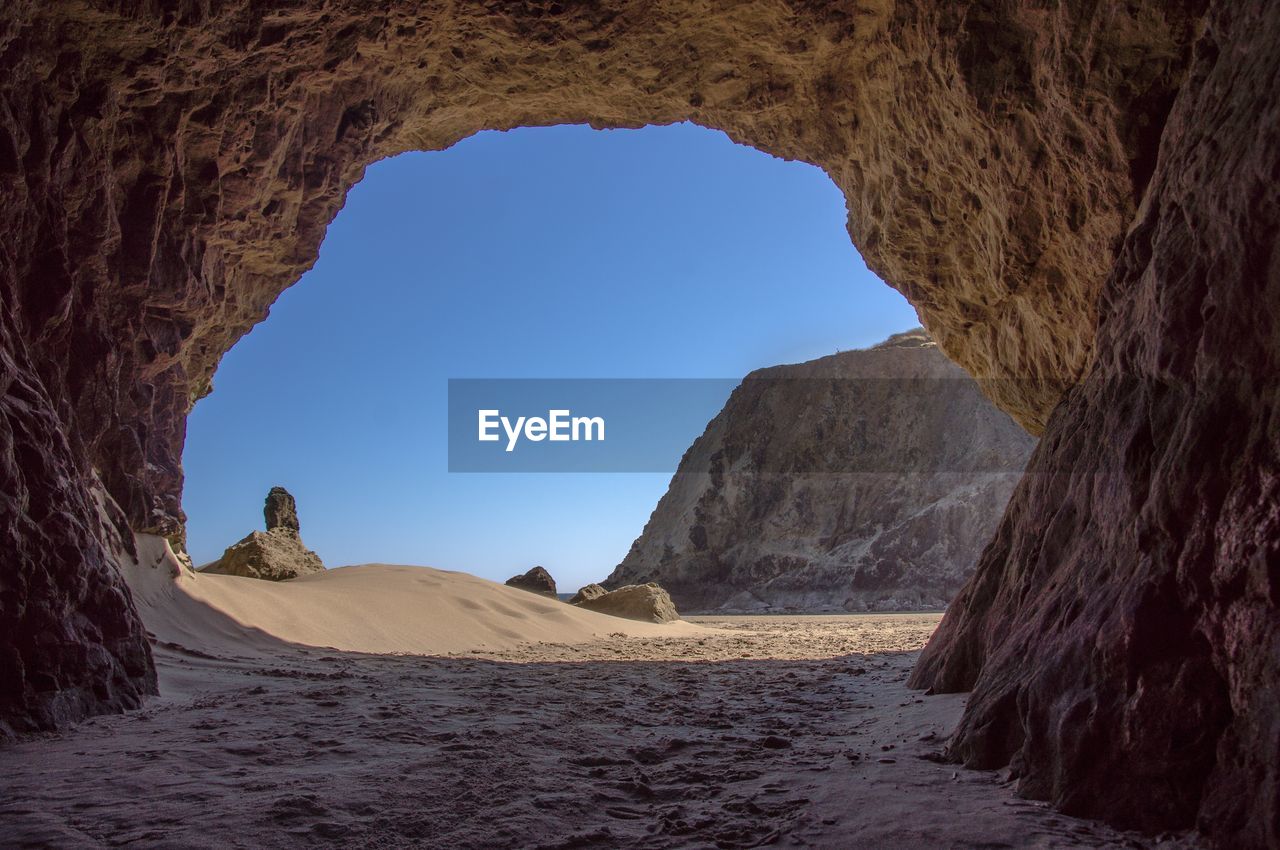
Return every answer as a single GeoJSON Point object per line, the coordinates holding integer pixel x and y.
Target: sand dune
{"type": "Point", "coordinates": [373, 608]}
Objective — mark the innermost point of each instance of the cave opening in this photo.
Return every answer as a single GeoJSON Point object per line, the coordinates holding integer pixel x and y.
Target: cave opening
{"type": "Point", "coordinates": [1077, 197]}
{"type": "Point", "coordinates": [561, 252]}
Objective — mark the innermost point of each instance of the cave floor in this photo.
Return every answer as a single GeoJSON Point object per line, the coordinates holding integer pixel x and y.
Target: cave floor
{"type": "Point", "coordinates": [768, 731]}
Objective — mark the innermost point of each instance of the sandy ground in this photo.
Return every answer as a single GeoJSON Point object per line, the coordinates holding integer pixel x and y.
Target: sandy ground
{"type": "Point", "coordinates": [728, 732]}
{"type": "Point", "coordinates": [373, 608]}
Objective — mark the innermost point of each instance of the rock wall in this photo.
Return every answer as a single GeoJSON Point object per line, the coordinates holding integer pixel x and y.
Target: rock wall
{"type": "Point", "coordinates": [165, 174]}
{"type": "Point", "coordinates": [866, 480]}
{"type": "Point", "coordinates": [1121, 636]}
{"type": "Point", "coordinates": [167, 169]}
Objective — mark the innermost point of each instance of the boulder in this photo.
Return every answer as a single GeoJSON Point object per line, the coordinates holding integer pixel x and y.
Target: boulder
{"type": "Point", "coordinates": [281, 510]}
{"type": "Point", "coordinates": [645, 602]}
{"type": "Point", "coordinates": [537, 580]}
{"type": "Point", "coordinates": [587, 593]}
{"type": "Point", "coordinates": [276, 554]}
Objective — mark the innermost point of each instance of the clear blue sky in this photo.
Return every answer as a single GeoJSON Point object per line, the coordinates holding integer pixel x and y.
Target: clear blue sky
{"type": "Point", "coordinates": [555, 252]}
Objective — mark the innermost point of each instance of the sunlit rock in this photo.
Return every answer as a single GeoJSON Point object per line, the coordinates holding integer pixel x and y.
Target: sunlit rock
{"type": "Point", "coordinates": [587, 593]}
{"type": "Point", "coordinates": [536, 580]}
{"type": "Point", "coordinates": [276, 554]}
{"type": "Point", "coordinates": [863, 481]}
{"type": "Point", "coordinates": [646, 602]}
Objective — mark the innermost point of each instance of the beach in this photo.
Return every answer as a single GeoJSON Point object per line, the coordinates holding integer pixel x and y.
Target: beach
{"type": "Point", "coordinates": [726, 732]}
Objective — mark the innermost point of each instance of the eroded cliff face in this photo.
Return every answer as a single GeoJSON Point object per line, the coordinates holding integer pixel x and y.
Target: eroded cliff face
{"type": "Point", "coordinates": [863, 481]}
{"type": "Point", "coordinates": [1121, 635]}
{"type": "Point", "coordinates": [165, 171]}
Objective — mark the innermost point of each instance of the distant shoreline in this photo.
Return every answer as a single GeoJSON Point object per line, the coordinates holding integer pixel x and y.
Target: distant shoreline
{"type": "Point", "coordinates": [565, 597]}
{"type": "Point", "coordinates": [711, 614]}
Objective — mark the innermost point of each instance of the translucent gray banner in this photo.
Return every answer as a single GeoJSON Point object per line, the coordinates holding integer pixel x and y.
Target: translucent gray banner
{"type": "Point", "coordinates": [770, 425]}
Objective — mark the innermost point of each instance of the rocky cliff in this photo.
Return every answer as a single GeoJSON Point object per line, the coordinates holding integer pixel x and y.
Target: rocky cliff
{"type": "Point", "coordinates": [867, 480]}
{"type": "Point", "coordinates": [1121, 634]}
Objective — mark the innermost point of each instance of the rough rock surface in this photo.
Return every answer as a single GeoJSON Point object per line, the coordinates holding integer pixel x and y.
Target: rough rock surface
{"type": "Point", "coordinates": [166, 172]}
{"type": "Point", "coordinates": [277, 554]}
{"type": "Point", "coordinates": [537, 580]}
{"type": "Point", "coordinates": [646, 602]}
{"type": "Point", "coordinates": [1121, 635]}
{"type": "Point", "coordinates": [167, 169]}
{"type": "Point", "coordinates": [62, 541]}
{"type": "Point", "coordinates": [867, 480]}
{"type": "Point", "coordinates": [281, 511]}
{"type": "Point", "coordinates": [274, 555]}
{"type": "Point", "coordinates": [587, 593]}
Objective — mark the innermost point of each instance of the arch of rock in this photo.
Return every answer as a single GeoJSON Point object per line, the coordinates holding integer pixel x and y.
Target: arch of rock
{"type": "Point", "coordinates": [1080, 199]}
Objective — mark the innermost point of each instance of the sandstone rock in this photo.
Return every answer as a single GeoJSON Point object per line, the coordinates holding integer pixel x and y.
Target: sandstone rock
{"type": "Point", "coordinates": [281, 511]}
{"type": "Point", "coordinates": [274, 555]}
{"type": "Point", "coordinates": [165, 174]}
{"type": "Point", "coordinates": [537, 580]}
{"type": "Point", "coordinates": [587, 593]}
{"type": "Point", "coordinates": [1121, 635]}
{"type": "Point", "coordinates": [271, 555]}
{"type": "Point", "coordinates": [867, 480]}
{"type": "Point", "coordinates": [272, 118]}
{"type": "Point", "coordinates": [646, 602]}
